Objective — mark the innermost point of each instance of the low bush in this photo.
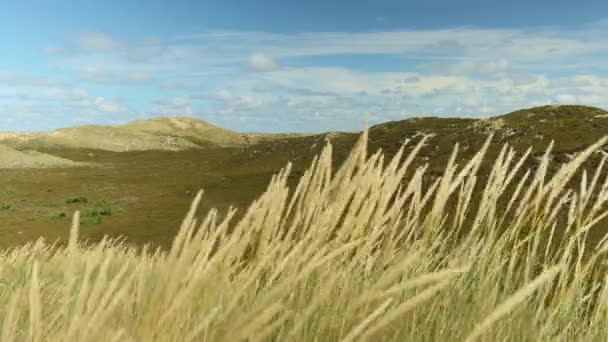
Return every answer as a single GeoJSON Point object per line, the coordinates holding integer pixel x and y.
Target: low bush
{"type": "Point", "coordinates": [56, 216]}
{"type": "Point", "coordinates": [7, 207]}
{"type": "Point", "coordinates": [77, 200]}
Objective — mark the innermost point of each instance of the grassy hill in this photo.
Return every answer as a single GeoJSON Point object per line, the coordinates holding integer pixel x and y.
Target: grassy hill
{"type": "Point", "coordinates": [354, 257]}
{"type": "Point", "coordinates": [13, 159]}
{"type": "Point", "coordinates": [173, 134]}
{"type": "Point", "coordinates": [148, 189]}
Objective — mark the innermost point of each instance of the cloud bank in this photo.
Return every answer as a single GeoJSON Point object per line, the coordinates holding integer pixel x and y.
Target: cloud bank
{"type": "Point", "coordinates": [315, 81]}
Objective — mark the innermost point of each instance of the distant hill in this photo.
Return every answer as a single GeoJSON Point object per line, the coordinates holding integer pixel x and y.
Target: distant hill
{"type": "Point", "coordinates": [173, 133]}
{"type": "Point", "coordinates": [572, 127]}
{"type": "Point", "coordinates": [13, 159]}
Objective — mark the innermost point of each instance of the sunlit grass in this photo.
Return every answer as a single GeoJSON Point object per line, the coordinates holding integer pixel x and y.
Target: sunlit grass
{"type": "Point", "coordinates": [362, 255]}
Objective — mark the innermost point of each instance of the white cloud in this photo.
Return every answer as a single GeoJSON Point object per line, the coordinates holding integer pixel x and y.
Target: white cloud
{"type": "Point", "coordinates": [388, 97]}
{"type": "Point", "coordinates": [459, 51]}
{"type": "Point", "coordinates": [102, 76]}
{"type": "Point", "coordinates": [47, 108]}
{"type": "Point", "coordinates": [108, 106]}
{"type": "Point", "coordinates": [333, 80]}
{"type": "Point", "coordinates": [96, 75]}
{"type": "Point", "coordinates": [138, 77]}
{"type": "Point", "coordinates": [177, 107]}
{"type": "Point", "coordinates": [261, 63]}
{"type": "Point", "coordinates": [80, 94]}
{"type": "Point", "coordinates": [144, 53]}
{"type": "Point", "coordinates": [471, 101]}
{"type": "Point", "coordinates": [182, 85]}
{"type": "Point", "coordinates": [461, 71]}
{"type": "Point", "coordinates": [228, 103]}
{"type": "Point", "coordinates": [97, 42]}
{"type": "Point", "coordinates": [566, 98]}
{"type": "Point", "coordinates": [13, 79]}
{"type": "Point", "coordinates": [181, 101]}
{"type": "Point", "coordinates": [547, 48]}
{"type": "Point", "coordinates": [495, 67]}
{"type": "Point", "coordinates": [44, 95]}
{"type": "Point", "coordinates": [53, 50]}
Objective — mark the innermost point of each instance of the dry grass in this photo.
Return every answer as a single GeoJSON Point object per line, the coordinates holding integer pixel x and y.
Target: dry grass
{"type": "Point", "coordinates": [365, 255]}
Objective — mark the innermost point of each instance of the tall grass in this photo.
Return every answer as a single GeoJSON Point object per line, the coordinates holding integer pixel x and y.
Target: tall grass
{"type": "Point", "coordinates": [362, 255]}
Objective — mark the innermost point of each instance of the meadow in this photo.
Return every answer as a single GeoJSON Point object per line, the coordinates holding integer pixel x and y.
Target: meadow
{"type": "Point", "coordinates": [371, 251]}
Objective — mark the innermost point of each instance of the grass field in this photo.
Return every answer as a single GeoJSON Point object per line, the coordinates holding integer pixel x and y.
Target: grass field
{"type": "Point", "coordinates": [146, 191]}
{"type": "Point", "coordinates": [364, 252]}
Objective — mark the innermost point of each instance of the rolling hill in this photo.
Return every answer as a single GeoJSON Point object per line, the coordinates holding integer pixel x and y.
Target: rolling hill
{"type": "Point", "coordinates": [155, 182]}
{"type": "Point", "coordinates": [570, 126]}
{"type": "Point", "coordinates": [173, 134]}
{"type": "Point", "coordinates": [13, 159]}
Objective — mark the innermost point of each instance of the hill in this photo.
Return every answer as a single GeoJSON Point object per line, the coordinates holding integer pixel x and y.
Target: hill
{"type": "Point", "coordinates": [13, 159]}
{"type": "Point", "coordinates": [153, 186]}
{"type": "Point", "coordinates": [172, 133]}
{"type": "Point", "coordinates": [571, 127]}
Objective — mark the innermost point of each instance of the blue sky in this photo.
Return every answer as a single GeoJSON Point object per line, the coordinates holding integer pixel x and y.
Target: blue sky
{"type": "Point", "coordinates": [295, 66]}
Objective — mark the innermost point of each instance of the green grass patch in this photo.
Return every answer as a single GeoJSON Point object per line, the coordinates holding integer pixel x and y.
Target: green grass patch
{"type": "Point", "coordinates": [90, 217]}
{"type": "Point", "coordinates": [57, 216]}
{"type": "Point", "coordinates": [77, 200]}
{"type": "Point", "coordinates": [107, 207]}
{"type": "Point", "coordinates": [7, 207]}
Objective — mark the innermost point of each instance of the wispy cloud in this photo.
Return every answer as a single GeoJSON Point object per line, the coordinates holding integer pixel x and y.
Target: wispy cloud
{"type": "Point", "coordinates": [12, 79]}
{"type": "Point", "coordinates": [97, 42]}
{"type": "Point", "coordinates": [180, 85]}
{"type": "Point", "coordinates": [260, 63]}
{"type": "Point", "coordinates": [517, 45]}
{"type": "Point", "coordinates": [108, 106]}
{"type": "Point", "coordinates": [311, 81]}
{"type": "Point", "coordinates": [101, 76]}
{"type": "Point", "coordinates": [179, 106]}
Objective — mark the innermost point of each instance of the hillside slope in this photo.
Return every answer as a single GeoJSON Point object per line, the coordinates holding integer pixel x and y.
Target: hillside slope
{"type": "Point", "coordinates": [172, 133]}
{"type": "Point", "coordinates": [13, 159]}
{"type": "Point", "coordinates": [571, 127]}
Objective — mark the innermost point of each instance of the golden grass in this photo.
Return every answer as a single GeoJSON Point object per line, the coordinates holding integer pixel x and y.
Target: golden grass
{"type": "Point", "coordinates": [365, 255]}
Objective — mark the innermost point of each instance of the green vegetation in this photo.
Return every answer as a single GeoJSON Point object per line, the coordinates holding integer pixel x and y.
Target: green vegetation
{"type": "Point", "coordinates": [151, 185]}
{"type": "Point", "coordinates": [7, 206]}
{"type": "Point", "coordinates": [107, 207]}
{"type": "Point", "coordinates": [90, 217]}
{"type": "Point", "coordinates": [8, 192]}
{"type": "Point", "coordinates": [77, 200]}
{"type": "Point", "coordinates": [105, 212]}
{"type": "Point", "coordinates": [369, 252]}
{"type": "Point", "coordinates": [56, 216]}
{"type": "Point", "coordinates": [103, 203]}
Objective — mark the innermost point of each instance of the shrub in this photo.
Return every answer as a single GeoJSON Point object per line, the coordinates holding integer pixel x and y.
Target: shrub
{"type": "Point", "coordinates": [103, 203]}
{"type": "Point", "coordinates": [56, 216]}
{"type": "Point", "coordinates": [90, 217]}
{"type": "Point", "coordinates": [77, 200]}
{"type": "Point", "coordinates": [7, 207]}
{"type": "Point", "coordinates": [107, 207]}
{"type": "Point", "coordinates": [105, 212]}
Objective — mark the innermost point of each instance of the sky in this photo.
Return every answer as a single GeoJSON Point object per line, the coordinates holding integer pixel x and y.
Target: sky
{"type": "Point", "coordinates": [279, 66]}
